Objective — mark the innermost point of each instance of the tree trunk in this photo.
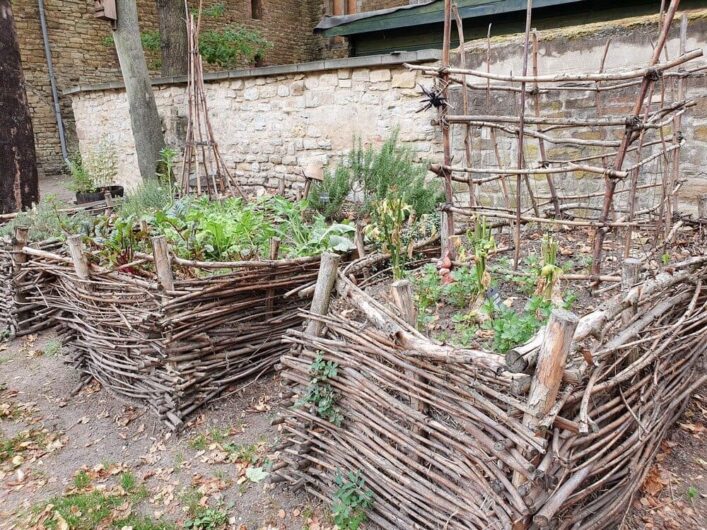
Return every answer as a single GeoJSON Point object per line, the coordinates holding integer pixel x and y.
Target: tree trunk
{"type": "Point", "coordinates": [144, 119]}
{"type": "Point", "coordinates": [173, 37]}
{"type": "Point", "coordinates": [19, 185]}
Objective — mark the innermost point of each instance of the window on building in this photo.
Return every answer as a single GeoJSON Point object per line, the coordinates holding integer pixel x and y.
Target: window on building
{"type": "Point", "coordinates": [256, 9]}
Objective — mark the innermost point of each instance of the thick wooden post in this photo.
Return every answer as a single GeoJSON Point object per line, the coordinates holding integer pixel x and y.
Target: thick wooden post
{"type": "Point", "coordinates": [702, 207]}
{"type": "Point", "coordinates": [405, 301]}
{"type": "Point", "coordinates": [629, 277]}
{"type": "Point", "coordinates": [629, 273]}
{"type": "Point", "coordinates": [21, 238]}
{"type": "Point", "coordinates": [19, 258]}
{"type": "Point", "coordinates": [551, 363]}
{"type": "Point", "coordinates": [545, 382]}
{"type": "Point", "coordinates": [108, 196]}
{"type": "Point", "coordinates": [326, 280]}
{"type": "Point", "coordinates": [78, 257]}
{"type": "Point", "coordinates": [160, 251]}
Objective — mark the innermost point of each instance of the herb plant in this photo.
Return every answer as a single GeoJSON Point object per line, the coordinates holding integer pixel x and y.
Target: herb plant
{"type": "Point", "coordinates": [388, 172]}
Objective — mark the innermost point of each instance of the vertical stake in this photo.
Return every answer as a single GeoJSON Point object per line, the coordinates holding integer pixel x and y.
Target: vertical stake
{"type": "Point", "coordinates": [109, 202]}
{"type": "Point", "coordinates": [405, 301]}
{"type": "Point", "coordinates": [552, 357]}
{"type": "Point", "coordinates": [328, 269]}
{"type": "Point", "coordinates": [78, 257]}
{"type": "Point", "coordinates": [629, 273]}
{"type": "Point", "coordinates": [270, 296]}
{"type": "Point", "coordinates": [160, 251]}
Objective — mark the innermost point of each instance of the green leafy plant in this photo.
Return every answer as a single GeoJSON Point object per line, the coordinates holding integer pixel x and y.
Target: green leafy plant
{"type": "Point", "coordinates": [351, 501]}
{"type": "Point", "coordinates": [166, 165]}
{"type": "Point", "coordinates": [80, 179]}
{"type": "Point", "coordinates": [46, 220]}
{"type": "Point", "coordinates": [207, 519]}
{"type": "Point", "coordinates": [98, 168]}
{"type": "Point", "coordinates": [320, 393]}
{"type": "Point", "coordinates": [81, 480]}
{"type": "Point", "coordinates": [388, 172]}
{"type": "Point", "coordinates": [391, 171]}
{"type": "Point", "coordinates": [511, 328]}
{"type": "Point", "coordinates": [329, 195]}
{"type": "Point", "coordinates": [150, 40]}
{"type": "Point", "coordinates": [214, 11]}
{"type": "Point", "coordinates": [233, 46]}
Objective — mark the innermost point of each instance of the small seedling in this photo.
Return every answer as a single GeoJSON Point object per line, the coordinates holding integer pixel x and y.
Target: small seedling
{"type": "Point", "coordinates": [320, 393]}
{"type": "Point", "coordinates": [52, 348]}
{"type": "Point", "coordinates": [198, 443]}
{"type": "Point", "coordinates": [81, 480]}
{"type": "Point", "coordinates": [128, 481]}
{"type": "Point", "coordinates": [692, 493]}
{"type": "Point", "coordinates": [207, 519]}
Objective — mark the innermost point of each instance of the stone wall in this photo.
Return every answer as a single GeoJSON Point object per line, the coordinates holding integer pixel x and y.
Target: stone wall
{"type": "Point", "coordinates": [275, 124]}
{"type": "Point", "coordinates": [279, 122]}
{"type": "Point", "coordinates": [82, 53]}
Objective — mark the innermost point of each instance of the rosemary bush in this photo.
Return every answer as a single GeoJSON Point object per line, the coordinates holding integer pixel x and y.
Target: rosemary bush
{"type": "Point", "coordinates": [388, 172]}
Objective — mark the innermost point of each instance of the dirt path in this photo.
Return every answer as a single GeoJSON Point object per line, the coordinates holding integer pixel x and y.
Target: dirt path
{"type": "Point", "coordinates": [92, 441]}
{"type": "Point", "coordinates": [206, 466]}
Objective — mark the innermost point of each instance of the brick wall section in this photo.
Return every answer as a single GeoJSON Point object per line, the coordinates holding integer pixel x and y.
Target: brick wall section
{"type": "Point", "coordinates": [374, 5]}
{"type": "Point", "coordinates": [81, 56]}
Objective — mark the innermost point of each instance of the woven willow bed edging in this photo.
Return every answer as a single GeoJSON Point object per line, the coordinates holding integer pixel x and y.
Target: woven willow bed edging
{"type": "Point", "coordinates": [174, 344]}
{"type": "Point", "coordinates": [23, 309]}
{"type": "Point", "coordinates": [443, 442]}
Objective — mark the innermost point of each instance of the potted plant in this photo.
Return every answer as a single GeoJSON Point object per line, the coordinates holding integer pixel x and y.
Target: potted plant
{"type": "Point", "coordinates": [93, 176]}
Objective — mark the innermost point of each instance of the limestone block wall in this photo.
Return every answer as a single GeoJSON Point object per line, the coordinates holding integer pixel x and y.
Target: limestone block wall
{"type": "Point", "coordinates": [278, 123]}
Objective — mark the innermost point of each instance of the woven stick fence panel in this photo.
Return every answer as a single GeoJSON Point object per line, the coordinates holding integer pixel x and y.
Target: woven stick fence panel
{"type": "Point", "coordinates": [22, 307]}
{"type": "Point", "coordinates": [629, 162]}
{"type": "Point", "coordinates": [449, 438]}
{"type": "Point", "coordinates": [175, 349]}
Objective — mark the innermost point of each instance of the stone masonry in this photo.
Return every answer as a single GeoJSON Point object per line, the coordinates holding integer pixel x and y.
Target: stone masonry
{"type": "Point", "coordinates": [286, 122]}
{"type": "Point", "coordinates": [281, 122]}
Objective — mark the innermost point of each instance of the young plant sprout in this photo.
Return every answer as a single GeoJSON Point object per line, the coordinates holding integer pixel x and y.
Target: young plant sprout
{"type": "Point", "coordinates": [550, 272]}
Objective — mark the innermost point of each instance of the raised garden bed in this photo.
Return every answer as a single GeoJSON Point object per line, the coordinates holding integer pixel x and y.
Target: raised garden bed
{"type": "Point", "coordinates": [173, 333]}
{"type": "Point", "coordinates": [23, 308]}
{"type": "Point", "coordinates": [429, 435]}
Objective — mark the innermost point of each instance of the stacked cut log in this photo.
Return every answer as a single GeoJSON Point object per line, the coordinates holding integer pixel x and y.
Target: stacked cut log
{"type": "Point", "coordinates": [22, 307]}
{"type": "Point", "coordinates": [444, 438]}
{"type": "Point", "coordinates": [173, 336]}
